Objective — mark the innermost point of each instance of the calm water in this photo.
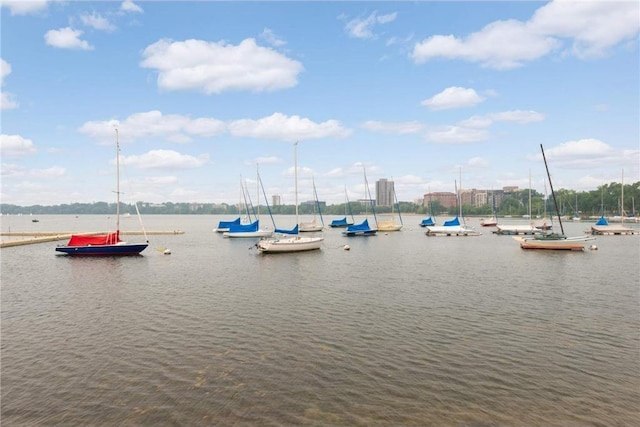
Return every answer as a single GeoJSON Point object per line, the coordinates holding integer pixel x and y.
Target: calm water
{"type": "Point", "coordinates": [402, 330]}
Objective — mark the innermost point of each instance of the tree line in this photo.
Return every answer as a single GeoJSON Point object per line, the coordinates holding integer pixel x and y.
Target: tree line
{"type": "Point", "coordinates": [606, 200]}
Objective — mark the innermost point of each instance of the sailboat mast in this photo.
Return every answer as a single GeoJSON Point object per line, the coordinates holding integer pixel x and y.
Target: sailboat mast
{"type": "Point", "coordinates": [460, 195]}
{"type": "Point", "coordinates": [258, 190]}
{"type": "Point", "coordinates": [555, 201]}
{"type": "Point", "coordinates": [295, 174]}
{"type": "Point", "coordinates": [622, 199]}
{"type": "Point", "coordinates": [117, 182]}
{"type": "Point", "coordinates": [368, 194]}
{"type": "Point", "coordinates": [530, 219]}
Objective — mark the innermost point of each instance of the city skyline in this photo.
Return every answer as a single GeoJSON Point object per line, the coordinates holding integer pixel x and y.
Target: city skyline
{"type": "Point", "coordinates": [422, 93]}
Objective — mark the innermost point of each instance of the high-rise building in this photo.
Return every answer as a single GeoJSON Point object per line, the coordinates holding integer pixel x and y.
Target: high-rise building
{"type": "Point", "coordinates": [384, 192]}
{"type": "Point", "coordinates": [275, 200]}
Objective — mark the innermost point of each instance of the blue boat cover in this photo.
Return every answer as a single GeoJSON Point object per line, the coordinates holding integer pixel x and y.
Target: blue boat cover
{"type": "Point", "coordinates": [454, 221]}
{"type": "Point", "coordinates": [243, 228]}
{"type": "Point", "coordinates": [227, 224]}
{"type": "Point", "coordinates": [428, 221]}
{"type": "Point", "coordinates": [602, 221]}
{"type": "Point", "coordinates": [363, 226]}
{"type": "Point", "coordinates": [294, 230]}
{"type": "Point", "coordinates": [338, 222]}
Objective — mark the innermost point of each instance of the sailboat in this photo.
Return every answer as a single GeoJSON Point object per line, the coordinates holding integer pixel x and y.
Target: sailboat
{"type": "Point", "coordinates": [390, 224]}
{"type": "Point", "coordinates": [343, 222]}
{"type": "Point", "coordinates": [602, 226]}
{"type": "Point", "coordinates": [364, 229]}
{"type": "Point", "coordinates": [515, 229]}
{"type": "Point", "coordinates": [108, 244]}
{"type": "Point", "coordinates": [226, 224]}
{"type": "Point", "coordinates": [494, 219]}
{"type": "Point", "coordinates": [453, 227]}
{"type": "Point", "coordinates": [251, 230]}
{"type": "Point", "coordinates": [292, 242]}
{"type": "Point", "coordinates": [576, 214]}
{"type": "Point", "coordinates": [554, 241]}
{"type": "Point", "coordinates": [313, 225]}
{"type": "Point", "coordinates": [429, 221]}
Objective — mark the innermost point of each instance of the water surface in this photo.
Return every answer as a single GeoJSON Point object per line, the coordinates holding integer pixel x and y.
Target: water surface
{"type": "Point", "coordinates": [402, 329]}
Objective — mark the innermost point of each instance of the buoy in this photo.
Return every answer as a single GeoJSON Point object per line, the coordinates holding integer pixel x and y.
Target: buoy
{"type": "Point", "coordinates": [346, 247]}
{"type": "Point", "coordinates": [593, 247]}
{"type": "Point", "coordinates": [167, 252]}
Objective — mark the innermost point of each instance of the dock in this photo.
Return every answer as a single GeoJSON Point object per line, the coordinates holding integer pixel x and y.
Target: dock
{"type": "Point", "coordinates": [52, 236]}
{"type": "Point", "coordinates": [613, 230]}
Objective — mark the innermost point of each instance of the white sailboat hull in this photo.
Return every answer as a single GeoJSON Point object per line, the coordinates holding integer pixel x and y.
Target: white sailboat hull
{"type": "Point", "coordinates": [575, 243]}
{"type": "Point", "coordinates": [248, 234]}
{"type": "Point", "coordinates": [389, 225]}
{"type": "Point", "coordinates": [310, 226]}
{"type": "Point", "coordinates": [450, 230]}
{"type": "Point", "coordinates": [289, 244]}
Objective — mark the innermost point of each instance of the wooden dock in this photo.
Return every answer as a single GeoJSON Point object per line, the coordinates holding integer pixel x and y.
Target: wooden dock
{"type": "Point", "coordinates": [51, 236]}
{"type": "Point", "coordinates": [613, 230]}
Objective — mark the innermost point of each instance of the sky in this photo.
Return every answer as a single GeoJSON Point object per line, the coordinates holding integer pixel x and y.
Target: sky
{"type": "Point", "coordinates": [432, 95]}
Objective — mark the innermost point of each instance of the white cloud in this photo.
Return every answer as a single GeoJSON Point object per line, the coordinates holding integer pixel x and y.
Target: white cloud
{"type": "Point", "coordinates": [478, 162]}
{"type": "Point", "coordinates": [129, 6]}
{"type": "Point", "coordinates": [270, 37]}
{"type": "Point", "coordinates": [66, 38]}
{"type": "Point", "coordinates": [580, 148]}
{"type": "Point", "coordinates": [218, 67]}
{"type": "Point", "coordinates": [173, 127]}
{"type": "Point", "coordinates": [161, 181]}
{"type": "Point", "coordinates": [362, 28]}
{"type": "Point", "coordinates": [24, 7]}
{"type": "Point", "coordinates": [401, 128]}
{"type": "Point", "coordinates": [166, 159]}
{"type": "Point", "coordinates": [516, 116]}
{"type": "Point", "coordinates": [453, 97]}
{"type": "Point", "coordinates": [7, 99]}
{"type": "Point", "coordinates": [475, 128]}
{"type": "Point", "coordinates": [5, 70]}
{"type": "Point", "coordinates": [456, 135]}
{"type": "Point", "coordinates": [589, 153]}
{"type": "Point", "coordinates": [594, 26]}
{"type": "Point", "coordinates": [10, 170]}
{"type": "Point", "coordinates": [52, 172]}
{"type": "Point", "coordinates": [264, 160]}
{"type": "Point", "coordinates": [14, 146]}
{"type": "Point", "coordinates": [287, 128]}
{"type": "Point", "coordinates": [97, 21]}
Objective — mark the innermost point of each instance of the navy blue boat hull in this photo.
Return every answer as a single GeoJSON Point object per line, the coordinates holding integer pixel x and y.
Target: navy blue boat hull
{"type": "Point", "coordinates": [104, 250]}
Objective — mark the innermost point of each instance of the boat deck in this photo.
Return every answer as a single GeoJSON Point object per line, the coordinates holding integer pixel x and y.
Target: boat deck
{"type": "Point", "coordinates": [555, 247]}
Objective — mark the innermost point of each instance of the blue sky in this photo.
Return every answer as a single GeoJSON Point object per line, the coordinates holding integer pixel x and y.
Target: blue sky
{"type": "Point", "coordinates": [416, 92]}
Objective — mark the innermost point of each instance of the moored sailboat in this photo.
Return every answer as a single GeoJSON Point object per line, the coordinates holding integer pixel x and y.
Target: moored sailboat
{"type": "Point", "coordinates": [344, 222]}
{"type": "Point", "coordinates": [252, 229]}
{"type": "Point", "coordinates": [453, 227]}
{"type": "Point", "coordinates": [363, 228]}
{"type": "Point", "coordinates": [292, 242]}
{"type": "Point", "coordinates": [313, 225]}
{"type": "Point", "coordinates": [603, 227]}
{"type": "Point", "coordinates": [493, 221]}
{"type": "Point", "coordinates": [555, 241]}
{"type": "Point", "coordinates": [519, 229]}
{"type": "Point", "coordinates": [107, 244]}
